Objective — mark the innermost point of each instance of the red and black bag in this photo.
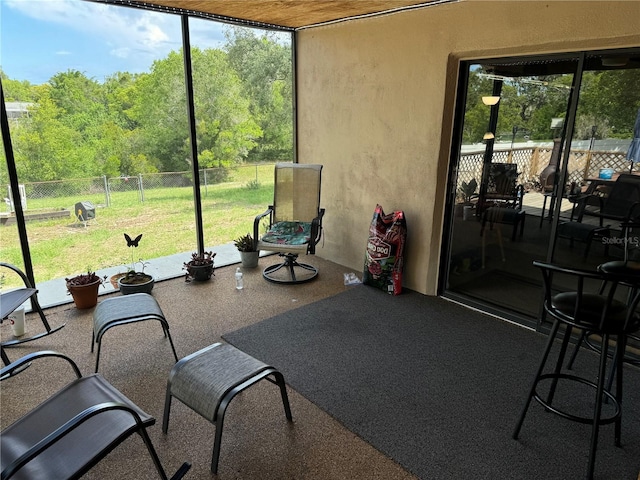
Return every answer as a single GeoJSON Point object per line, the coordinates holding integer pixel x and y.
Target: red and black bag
{"type": "Point", "coordinates": [384, 259]}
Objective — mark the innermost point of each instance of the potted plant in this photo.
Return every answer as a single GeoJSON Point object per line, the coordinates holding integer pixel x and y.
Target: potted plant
{"type": "Point", "coordinates": [113, 279]}
{"type": "Point", "coordinates": [84, 289]}
{"type": "Point", "coordinates": [200, 267]}
{"type": "Point", "coordinates": [248, 253]}
{"type": "Point", "coordinates": [466, 191]}
{"type": "Point", "coordinates": [135, 281]}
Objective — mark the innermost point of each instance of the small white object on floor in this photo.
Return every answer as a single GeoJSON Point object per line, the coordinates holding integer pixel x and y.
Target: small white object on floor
{"type": "Point", "coordinates": [351, 279]}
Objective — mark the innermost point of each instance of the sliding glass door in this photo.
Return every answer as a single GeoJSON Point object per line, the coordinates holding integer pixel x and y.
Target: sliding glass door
{"type": "Point", "coordinates": [533, 136]}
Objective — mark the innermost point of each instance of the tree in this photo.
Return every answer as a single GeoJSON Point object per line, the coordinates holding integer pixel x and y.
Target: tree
{"type": "Point", "coordinates": [611, 98]}
{"type": "Point", "coordinates": [44, 147]}
{"type": "Point", "coordinates": [528, 103]}
{"type": "Point", "coordinates": [16, 90]}
{"type": "Point", "coordinates": [264, 66]}
{"type": "Point", "coordinates": [225, 128]}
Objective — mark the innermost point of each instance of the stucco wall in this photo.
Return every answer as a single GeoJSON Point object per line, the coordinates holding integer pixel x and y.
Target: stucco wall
{"type": "Point", "coordinates": [376, 99]}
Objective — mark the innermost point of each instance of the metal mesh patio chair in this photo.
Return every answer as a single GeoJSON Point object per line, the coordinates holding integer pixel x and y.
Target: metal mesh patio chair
{"type": "Point", "coordinates": [71, 431]}
{"type": "Point", "coordinates": [294, 222]}
{"type": "Point", "coordinates": [11, 300]}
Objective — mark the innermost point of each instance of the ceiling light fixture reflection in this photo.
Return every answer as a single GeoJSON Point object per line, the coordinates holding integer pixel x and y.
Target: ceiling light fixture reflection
{"type": "Point", "coordinates": [488, 136]}
{"type": "Point", "coordinates": [492, 100]}
{"type": "Point", "coordinates": [614, 61]}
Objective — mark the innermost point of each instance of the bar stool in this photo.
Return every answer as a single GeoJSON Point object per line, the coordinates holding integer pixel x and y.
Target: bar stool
{"type": "Point", "coordinates": [601, 314]}
{"type": "Point", "coordinates": [628, 273]}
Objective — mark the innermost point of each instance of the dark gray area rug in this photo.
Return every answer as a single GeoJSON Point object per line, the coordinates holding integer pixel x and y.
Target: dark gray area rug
{"type": "Point", "coordinates": [439, 387]}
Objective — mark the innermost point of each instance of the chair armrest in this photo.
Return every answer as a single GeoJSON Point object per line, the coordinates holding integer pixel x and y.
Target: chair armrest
{"type": "Point", "coordinates": [316, 231]}
{"type": "Point", "coordinates": [63, 430]}
{"type": "Point", "coordinates": [567, 270]}
{"type": "Point", "coordinates": [583, 197]}
{"type": "Point", "coordinates": [633, 214]}
{"type": "Point", "coordinates": [256, 224]}
{"type": "Point", "coordinates": [22, 275]}
{"type": "Point", "coordinates": [581, 200]}
{"type": "Point", "coordinates": [18, 365]}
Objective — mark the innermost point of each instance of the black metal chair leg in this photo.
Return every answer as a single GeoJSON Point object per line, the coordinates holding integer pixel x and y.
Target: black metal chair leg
{"type": "Point", "coordinates": [618, 362]}
{"type": "Point", "coordinates": [283, 393]}
{"type": "Point", "coordinates": [559, 362]}
{"type": "Point", "coordinates": [595, 429]}
{"type": "Point", "coordinates": [576, 350]}
{"type": "Point", "coordinates": [543, 361]}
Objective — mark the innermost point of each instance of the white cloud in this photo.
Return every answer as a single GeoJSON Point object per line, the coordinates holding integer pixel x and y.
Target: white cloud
{"type": "Point", "coordinates": [101, 38]}
{"type": "Point", "coordinates": [122, 52]}
{"type": "Point", "coordinates": [126, 30]}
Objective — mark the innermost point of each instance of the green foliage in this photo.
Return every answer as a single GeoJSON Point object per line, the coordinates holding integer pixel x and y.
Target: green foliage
{"type": "Point", "coordinates": [467, 190]}
{"type": "Point", "coordinates": [608, 99]}
{"type": "Point", "coordinates": [244, 243]}
{"type": "Point", "coordinates": [611, 99]}
{"type": "Point", "coordinates": [16, 90]}
{"type": "Point", "coordinates": [137, 123]}
{"type": "Point", "coordinates": [264, 65]}
{"type": "Point", "coordinates": [252, 185]}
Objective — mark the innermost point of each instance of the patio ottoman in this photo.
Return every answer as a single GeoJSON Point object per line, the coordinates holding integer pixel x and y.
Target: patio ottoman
{"type": "Point", "coordinates": [206, 381]}
{"type": "Point", "coordinates": [132, 308]}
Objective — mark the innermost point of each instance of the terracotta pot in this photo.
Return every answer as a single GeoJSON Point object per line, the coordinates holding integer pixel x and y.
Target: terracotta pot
{"type": "Point", "coordinates": [85, 296]}
{"type": "Point", "coordinates": [114, 279]}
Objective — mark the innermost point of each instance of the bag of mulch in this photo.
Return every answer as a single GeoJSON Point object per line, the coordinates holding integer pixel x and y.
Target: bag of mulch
{"type": "Point", "coordinates": [384, 259]}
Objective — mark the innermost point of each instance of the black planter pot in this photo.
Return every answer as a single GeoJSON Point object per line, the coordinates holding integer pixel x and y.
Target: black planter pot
{"type": "Point", "coordinates": [200, 273]}
{"type": "Point", "coordinates": [136, 283]}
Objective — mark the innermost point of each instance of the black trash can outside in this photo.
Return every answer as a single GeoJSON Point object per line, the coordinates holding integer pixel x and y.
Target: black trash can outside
{"type": "Point", "coordinates": [84, 211]}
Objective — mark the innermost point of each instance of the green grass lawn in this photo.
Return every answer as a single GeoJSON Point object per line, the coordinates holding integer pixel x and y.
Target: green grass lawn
{"type": "Point", "coordinates": [63, 247]}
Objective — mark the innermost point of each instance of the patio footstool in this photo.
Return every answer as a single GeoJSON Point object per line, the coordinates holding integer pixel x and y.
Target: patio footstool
{"type": "Point", "coordinates": [132, 308]}
{"type": "Point", "coordinates": [206, 381]}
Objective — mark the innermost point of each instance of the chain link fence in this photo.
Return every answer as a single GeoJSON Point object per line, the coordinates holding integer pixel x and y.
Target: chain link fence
{"type": "Point", "coordinates": [56, 195]}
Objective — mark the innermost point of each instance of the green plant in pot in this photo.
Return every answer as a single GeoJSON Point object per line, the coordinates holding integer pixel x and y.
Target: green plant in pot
{"type": "Point", "coordinates": [200, 267]}
{"type": "Point", "coordinates": [84, 289]}
{"type": "Point", "coordinates": [248, 253]}
{"type": "Point", "coordinates": [466, 191]}
{"type": "Point", "coordinates": [135, 281]}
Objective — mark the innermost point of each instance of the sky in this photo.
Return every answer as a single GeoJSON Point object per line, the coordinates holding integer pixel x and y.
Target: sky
{"type": "Point", "coordinates": [39, 38]}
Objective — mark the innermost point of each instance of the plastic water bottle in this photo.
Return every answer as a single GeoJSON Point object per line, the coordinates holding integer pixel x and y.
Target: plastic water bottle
{"type": "Point", "coordinates": [239, 281]}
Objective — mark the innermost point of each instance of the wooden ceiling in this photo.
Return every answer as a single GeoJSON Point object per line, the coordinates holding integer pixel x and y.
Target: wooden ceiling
{"type": "Point", "coordinates": [290, 14]}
